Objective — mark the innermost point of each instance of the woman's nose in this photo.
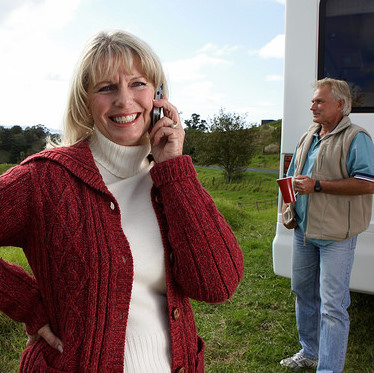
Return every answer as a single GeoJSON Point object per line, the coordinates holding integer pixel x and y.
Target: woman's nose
{"type": "Point", "coordinates": [123, 97]}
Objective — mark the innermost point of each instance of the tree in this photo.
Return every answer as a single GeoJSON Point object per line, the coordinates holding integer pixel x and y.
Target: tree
{"type": "Point", "coordinates": [17, 143]}
{"type": "Point", "coordinates": [228, 144]}
{"type": "Point", "coordinates": [194, 129]}
{"type": "Point", "coordinates": [195, 123]}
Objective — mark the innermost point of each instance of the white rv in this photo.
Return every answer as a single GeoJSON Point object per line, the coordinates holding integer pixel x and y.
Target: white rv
{"type": "Point", "coordinates": [326, 38]}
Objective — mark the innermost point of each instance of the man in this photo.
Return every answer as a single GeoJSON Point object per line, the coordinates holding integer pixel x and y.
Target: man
{"type": "Point", "coordinates": [333, 169]}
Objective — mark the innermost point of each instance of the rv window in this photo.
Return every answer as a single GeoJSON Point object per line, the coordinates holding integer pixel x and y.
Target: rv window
{"type": "Point", "coordinates": [346, 47]}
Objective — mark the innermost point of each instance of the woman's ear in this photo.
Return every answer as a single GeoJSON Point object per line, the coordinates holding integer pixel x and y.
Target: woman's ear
{"type": "Point", "coordinates": [88, 112]}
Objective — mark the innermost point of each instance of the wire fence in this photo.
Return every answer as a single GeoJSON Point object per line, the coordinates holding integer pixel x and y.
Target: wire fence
{"type": "Point", "coordinates": [261, 205]}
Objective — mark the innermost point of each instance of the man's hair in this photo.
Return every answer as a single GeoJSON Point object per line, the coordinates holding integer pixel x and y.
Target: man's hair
{"type": "Point", "coordinates": [339, 91]}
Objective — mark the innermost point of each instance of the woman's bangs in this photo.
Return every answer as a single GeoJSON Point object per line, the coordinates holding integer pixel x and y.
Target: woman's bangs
{"type": "Point", "coordinates": [106, 66]}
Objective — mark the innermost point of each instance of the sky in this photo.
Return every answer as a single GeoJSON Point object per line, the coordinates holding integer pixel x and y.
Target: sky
{"type": "Point", "coordinates": [217, 54]}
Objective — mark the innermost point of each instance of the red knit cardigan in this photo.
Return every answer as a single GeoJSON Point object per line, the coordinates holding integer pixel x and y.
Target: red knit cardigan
{"type": "Point", "coordinates": [56, 206]}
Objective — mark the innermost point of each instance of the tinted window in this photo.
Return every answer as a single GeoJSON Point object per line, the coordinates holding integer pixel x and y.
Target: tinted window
{"type": "Point", "coordinates": [346, 47]}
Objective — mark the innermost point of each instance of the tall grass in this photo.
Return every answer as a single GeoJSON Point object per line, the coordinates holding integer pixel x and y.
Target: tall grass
{"type": "Point", "coordinates": [255, 329]}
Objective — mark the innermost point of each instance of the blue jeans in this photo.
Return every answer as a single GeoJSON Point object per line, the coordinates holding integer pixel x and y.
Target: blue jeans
{"type": "Point", "coordinates": [320, 281]}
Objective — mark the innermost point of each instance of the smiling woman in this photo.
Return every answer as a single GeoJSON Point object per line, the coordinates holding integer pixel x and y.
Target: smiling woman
{"type": "Point", "coordinates": [121, 107]}
{"type": "Point", "coordinates": [116, 228]}
{"type": "Point", "coordinates": [116, 78]}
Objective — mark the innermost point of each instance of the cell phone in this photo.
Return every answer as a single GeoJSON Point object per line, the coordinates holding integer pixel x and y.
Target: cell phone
{"type": "Point", "coordinates": [156, 112]}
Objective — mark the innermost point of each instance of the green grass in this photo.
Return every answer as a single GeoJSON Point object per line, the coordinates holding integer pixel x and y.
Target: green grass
{"type": "Point", "coordinates": [255, 329]}
{"type": "Point", "coordinates": [4, 167]}
{"type": "Point", "coordinates": [12, 335]}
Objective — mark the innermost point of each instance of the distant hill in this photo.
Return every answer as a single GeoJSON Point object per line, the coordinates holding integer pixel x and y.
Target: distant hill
{"type": "Point", "coordinates": [269, 136]}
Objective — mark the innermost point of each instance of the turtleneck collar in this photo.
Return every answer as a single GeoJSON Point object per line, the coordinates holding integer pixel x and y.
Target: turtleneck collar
{"type": "Point", "coordinates": [121, 161]}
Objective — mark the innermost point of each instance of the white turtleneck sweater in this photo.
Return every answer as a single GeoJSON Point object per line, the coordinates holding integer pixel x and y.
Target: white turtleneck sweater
{"type": "Point", "coordinates": [125, 171]}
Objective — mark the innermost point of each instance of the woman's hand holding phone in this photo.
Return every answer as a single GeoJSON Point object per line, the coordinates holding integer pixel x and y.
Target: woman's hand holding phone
{"type": "Point", "coordinates": [167, 133]}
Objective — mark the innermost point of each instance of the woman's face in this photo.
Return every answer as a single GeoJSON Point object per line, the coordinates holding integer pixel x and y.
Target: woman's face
{"type": "Point", "coordinates": [121, 106]}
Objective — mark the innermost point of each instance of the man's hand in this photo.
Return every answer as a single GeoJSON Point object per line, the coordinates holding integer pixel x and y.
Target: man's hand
{"type": "Point", "coordinates": [303, 184]}
{"type": "Point", "coordinates": [291, 224]}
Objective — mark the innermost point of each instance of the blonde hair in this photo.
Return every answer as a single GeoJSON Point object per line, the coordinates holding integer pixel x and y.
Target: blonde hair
{"type": "Point", "coordinates": [102, 56]}
{"type": "Point", "coordinates": [339, 91]}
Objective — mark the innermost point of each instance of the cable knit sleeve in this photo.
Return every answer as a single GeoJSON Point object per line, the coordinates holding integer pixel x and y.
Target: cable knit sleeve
{"type": "Point", "coordinates": [207, 261]}
{"type": "Point", "coordinates": [20, 298]}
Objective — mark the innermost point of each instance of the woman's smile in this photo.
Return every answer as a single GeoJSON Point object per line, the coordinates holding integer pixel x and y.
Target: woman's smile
{"type": "Point", "coordinates": [124, 119]}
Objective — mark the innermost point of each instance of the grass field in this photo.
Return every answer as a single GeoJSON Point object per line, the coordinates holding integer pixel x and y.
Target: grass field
{"type": "Point", "coordinates": [255, 329]}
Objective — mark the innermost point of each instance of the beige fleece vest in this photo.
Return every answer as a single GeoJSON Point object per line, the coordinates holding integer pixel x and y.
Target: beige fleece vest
{"type": "Point", "coordinates": [333, 217]}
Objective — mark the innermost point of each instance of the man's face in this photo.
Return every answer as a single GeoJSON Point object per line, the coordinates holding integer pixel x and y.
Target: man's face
{"type": "Point", "coordinates": [325, 108]}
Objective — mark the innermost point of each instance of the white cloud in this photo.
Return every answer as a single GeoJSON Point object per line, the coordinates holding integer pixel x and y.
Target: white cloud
{"type": "Point", "coordinates": [198, 97]}
{"type": "Point", "coordinates": [39, 15]}
{"type": "Point", "coordinates": [33, 65]}
{"type": "Point", "coordinates": [192, 87]}
{"type": "Point", "coordinates": [196, 89]}
{"type": "Point", "coordinates": [7, 7]}
{"type": "Point", "coordinates": [263, 104]}
{"type": "Point", "coordinates": [274, 78]}
{"type": "Point", "coordinates": [273, 49]}
{"type": "Point", "coordinates": [217, 51]}
{"type": "Point", "coordinates": [192, 69]}
{"type": "Point", "coordinates": [25, 45]}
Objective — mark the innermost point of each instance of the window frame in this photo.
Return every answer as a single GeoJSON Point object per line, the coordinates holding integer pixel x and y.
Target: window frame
{"type": "Point", "coordinates": [321, 56]}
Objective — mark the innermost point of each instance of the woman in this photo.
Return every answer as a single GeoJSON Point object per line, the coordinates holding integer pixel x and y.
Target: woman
{"type": "Point", "coordinates": [117, 242]}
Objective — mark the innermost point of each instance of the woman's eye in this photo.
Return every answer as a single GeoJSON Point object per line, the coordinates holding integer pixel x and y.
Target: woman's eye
{"type": "Point", "coordinates": [107, 88]}
{"type": "Point", "coordinates": [139, 84]}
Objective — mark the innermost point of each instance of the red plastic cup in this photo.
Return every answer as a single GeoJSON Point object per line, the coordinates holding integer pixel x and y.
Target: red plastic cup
{"type": "Point", "coordinates": [286, 188]}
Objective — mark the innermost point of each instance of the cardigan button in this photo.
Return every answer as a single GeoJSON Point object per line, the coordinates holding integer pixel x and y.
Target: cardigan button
{"type": "Point", "coordinates": [112, 205]}
{"type": "Point", "coordinates": [158, 199]}
{"type": "Point", "coordinates": [181, 370]}
{"type": "Point", "coordinates": [176, 313]}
